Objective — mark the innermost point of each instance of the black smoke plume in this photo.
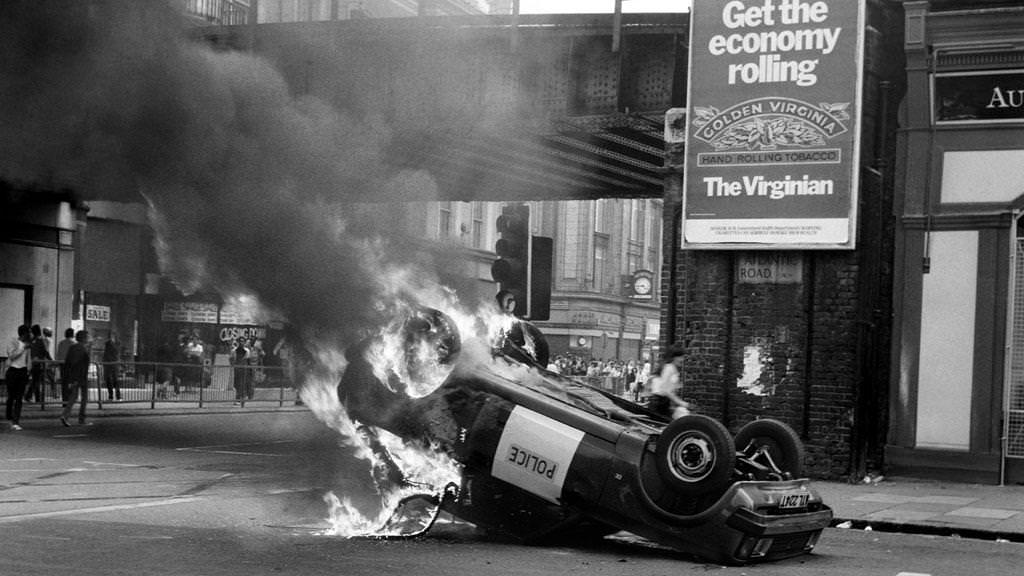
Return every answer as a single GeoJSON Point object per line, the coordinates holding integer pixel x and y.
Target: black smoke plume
{"type": "Point", "coordinates": [112, 99]}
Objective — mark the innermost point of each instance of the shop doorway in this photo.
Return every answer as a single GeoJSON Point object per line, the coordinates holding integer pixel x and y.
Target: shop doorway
{"type": "Point", "coordinates": [15, 309]}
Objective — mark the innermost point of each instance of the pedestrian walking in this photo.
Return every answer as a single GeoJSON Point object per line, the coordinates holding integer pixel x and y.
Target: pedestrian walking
{"type": "Point", "coordinates": [19, 358]}
{"type": "Point", "coordinates": [62, 352]}
{"type": "Point", "coordinates": [111, 365]}
{"type": "Point", "coordinates": [76, 378]}
{"type": "Point", "coordinates": [664, 399]}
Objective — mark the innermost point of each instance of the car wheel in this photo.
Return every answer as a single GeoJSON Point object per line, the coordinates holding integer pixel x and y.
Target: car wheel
{"type": "Point", "coordinates": [695, 455]}
{"type": "Point", "coordinates": [775, 441]}
{"type": "Point", "coordinates": [433, 328]}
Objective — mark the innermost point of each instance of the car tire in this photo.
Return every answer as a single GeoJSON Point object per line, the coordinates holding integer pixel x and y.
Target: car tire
{"type": "Point", "coordinates": [437, 328]}
{"type": "Point", "coordinates": [782, 443]}
{"type": "Point", "coordinates": [695, 455]}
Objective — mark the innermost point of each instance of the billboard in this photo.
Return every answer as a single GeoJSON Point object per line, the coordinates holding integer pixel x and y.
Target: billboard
{"type": "Point", "coordinates": [773, 124]}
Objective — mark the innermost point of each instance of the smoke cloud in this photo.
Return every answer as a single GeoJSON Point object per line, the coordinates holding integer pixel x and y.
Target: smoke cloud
{"type": "Point", "coordinates": [243, 177]}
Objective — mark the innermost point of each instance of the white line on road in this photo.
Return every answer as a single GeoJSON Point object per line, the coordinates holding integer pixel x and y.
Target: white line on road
{"type": "Point", "coordinates": [91, 463]}
{"type": "Point", "coordinates": [239, 452]}
{"type": "Point", "coordinates": [19, 517]}
{"type": "Point", "coordinates": [224, 448]}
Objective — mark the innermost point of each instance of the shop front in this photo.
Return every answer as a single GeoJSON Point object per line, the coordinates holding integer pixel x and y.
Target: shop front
{"type": "Point", "coordinates": [202, 331]}
{"type": "Point", "coordinates": [957, 394]}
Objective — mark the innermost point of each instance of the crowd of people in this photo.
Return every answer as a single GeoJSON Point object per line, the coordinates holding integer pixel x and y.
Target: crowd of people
{"type": "Point", "coordinates": [634, 380]}
{"type": "Point", "coordinates": [32, 371]}
{"type": "Point", "coordinates": [30, 367]}
{"type": "Point", "coordinates": [626, 377]}
{"type": "Point", "coordinates": [572, 365]}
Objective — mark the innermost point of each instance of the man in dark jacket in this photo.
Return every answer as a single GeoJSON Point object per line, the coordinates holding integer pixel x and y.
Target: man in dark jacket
{"type": "Point", "coordinates": [76, 371]}
{"type": "Point", "coordinates": [111, 363]}
{"type": "Point", "coordinates": [40, 356]}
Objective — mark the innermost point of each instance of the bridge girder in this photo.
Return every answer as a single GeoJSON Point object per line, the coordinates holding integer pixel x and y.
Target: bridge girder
{"type": "Point", "coordinates": [492, 108]}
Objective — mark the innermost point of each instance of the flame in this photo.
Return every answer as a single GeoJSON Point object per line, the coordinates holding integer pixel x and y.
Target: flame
{"type": "Point", "coordinates": [426, 469]}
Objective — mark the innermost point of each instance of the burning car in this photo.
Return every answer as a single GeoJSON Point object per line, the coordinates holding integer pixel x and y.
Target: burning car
{"type": "Point", "coordinates": [545, 458]}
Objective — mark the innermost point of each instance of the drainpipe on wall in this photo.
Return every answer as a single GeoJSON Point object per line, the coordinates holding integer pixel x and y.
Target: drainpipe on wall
{"type": "Point", "coordinates": [1004, 441]}
{"type": "Point", "coordinates": [672, 182]}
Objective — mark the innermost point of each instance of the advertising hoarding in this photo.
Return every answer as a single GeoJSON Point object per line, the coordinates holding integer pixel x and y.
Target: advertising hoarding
{"type": "Point", "coordinates": [773, 128]}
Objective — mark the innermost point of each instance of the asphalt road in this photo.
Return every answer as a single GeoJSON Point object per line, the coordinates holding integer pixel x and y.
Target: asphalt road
{"type": "Point", "coordinates": [243, 494]}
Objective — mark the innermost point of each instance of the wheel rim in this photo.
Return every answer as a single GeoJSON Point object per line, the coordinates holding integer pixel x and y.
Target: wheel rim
{"type": "Point", "coordinates": [691, 458]}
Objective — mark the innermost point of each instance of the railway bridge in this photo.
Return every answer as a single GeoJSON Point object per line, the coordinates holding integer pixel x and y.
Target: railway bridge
{"type": "Point", "coordinates": [538, 107]}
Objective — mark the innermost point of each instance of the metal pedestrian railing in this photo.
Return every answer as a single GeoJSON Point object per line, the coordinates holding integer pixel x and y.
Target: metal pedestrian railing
{"type": "Point", "coordinates": [161, 383]}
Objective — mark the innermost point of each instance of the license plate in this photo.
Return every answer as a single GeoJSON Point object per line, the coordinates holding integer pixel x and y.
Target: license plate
{"type": "Point", "coordinates": [796, 500]}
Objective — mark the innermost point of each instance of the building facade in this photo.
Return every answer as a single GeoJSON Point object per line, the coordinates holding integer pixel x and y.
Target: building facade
{"type": "Point", "coordinates": [600, 248]}
{"type": "Point", "coordinates": [957, 392]}
{"type": "Point", "coordinates": [41, 233]}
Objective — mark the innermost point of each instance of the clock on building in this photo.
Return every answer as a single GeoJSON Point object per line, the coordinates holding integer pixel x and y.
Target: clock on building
{"type": "Point", "coordinates": [642, 286]}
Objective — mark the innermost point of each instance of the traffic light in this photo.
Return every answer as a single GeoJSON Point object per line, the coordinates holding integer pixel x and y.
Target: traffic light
{"type": "Point", "coordinates": [524, 264]}
{"type": "Point", "coordinates": [512, 268]}
{"type": "Point", "coordinates": [541, 261]}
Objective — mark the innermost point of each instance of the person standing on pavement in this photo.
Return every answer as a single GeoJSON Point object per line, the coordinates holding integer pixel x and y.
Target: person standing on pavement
{"type": "Point", "coordinates": [238, 358]}
{"type": "Point", "coordinates": [76, 378]}
{"type": "Point", "coordinates": [194, 355]}
{"type": "Point", "coordinates": [255, 361]}
{"type": "Point", "coordinates": [286, 356]}
{"type": "Point", "coordinates": [64, 345]}
{"type": "Point", "coordinates": [111, 363]}
{"type": "Point", "coordinates": [19, 358]}
{"type": "Point", "coordinates": [40, 356]}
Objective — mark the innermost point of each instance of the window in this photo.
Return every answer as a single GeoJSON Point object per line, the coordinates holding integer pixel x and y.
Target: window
{"type": "Point", "coordinates": [637, 219]}
{"type": "Point", "coordinates": [599, 214]}
{"type": "Point", "coordinates": [444, 223]}
{"type": "Point", "coordinates": [600, 258]}
{"type": "Point", "coordinates": [478, 224]}
{"type": "Point", "coordinates": [633, 262]}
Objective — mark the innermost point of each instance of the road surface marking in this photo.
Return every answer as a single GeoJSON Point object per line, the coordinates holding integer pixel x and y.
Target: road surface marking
{"type": "Point", "coordinates": [19, 517]}
{"type": "Point", "coordinates": [226, 448]}
{"type": "Point", "coordinates": [91, 463]}
{"type": "Point", "coordinates": [239, 452]}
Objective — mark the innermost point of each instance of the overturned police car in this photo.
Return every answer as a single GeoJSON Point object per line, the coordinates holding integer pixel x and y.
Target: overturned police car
{"type": "Point", "coordinates": [545, 458]}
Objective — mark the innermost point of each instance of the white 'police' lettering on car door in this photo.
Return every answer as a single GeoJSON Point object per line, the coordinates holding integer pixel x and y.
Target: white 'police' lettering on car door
{"type": "Point", "coordinates": [535, 453]}
{"type": "Point", "coordinates": [531, 462]}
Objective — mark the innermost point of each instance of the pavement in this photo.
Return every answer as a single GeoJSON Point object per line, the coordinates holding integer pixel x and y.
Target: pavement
{"type": "Point", "coordinates": [889, 504]}
{"type": "Point", "coordinates": [912, 505]}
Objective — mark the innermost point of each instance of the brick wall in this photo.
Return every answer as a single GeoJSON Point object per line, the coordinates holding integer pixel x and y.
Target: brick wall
{"type": "Point", "coordinates": [783, 351]}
